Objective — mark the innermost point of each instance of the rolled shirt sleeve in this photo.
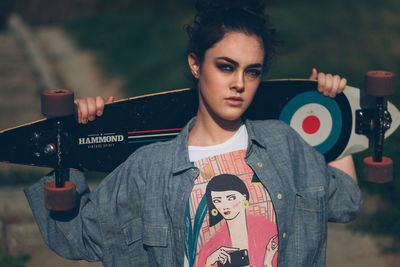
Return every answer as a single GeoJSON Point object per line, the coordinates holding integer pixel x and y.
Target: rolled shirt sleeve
{"type": "Point", "coordinates": [345, 201]}
{"type": "Point", "coordinates": [94, 230]}
{"type": "Point", "coordinates": [74, 234]}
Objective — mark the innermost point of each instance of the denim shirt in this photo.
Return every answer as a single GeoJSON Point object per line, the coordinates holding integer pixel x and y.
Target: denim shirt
{"type": "Point", "coordinates": [135, 216]}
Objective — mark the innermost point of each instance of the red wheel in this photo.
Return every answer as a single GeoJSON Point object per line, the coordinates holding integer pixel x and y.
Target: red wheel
{"type": "Point", "coordinates": [59, 198]}
{"type": "Point", "coordinates": [379, 83]}
{"type": "Point", "coordinates": [378, 172]}
{"type": "Point", "coordinates": [57, 102]}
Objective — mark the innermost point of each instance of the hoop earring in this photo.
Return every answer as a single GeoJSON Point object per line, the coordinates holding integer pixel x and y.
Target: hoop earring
{"type": "Point", "coordinates": [214, 212]}
{"type": "Point", "coordinates": [245, 204]}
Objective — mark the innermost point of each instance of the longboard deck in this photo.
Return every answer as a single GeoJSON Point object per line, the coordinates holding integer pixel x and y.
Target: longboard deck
{"type": "Point", "coordinates": [130, 123]}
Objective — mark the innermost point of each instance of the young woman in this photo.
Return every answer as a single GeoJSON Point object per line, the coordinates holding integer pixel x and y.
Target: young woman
{"type": "Point", "coordinates": [152, 210]}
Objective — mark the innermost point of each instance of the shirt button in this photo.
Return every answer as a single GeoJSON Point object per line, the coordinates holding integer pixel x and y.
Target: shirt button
{"type": "Point", "coordinates": [259, 165]}
{"type": "Point", "coordinates": [284, 235]}
{"type": "Point", "coordinates": [279, 196]}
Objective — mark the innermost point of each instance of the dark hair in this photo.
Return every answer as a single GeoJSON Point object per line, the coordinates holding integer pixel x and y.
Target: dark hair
{"type": "Point", "coordinates": [215, 18]}
{"type": "Point", "coordinates": [220, 183]}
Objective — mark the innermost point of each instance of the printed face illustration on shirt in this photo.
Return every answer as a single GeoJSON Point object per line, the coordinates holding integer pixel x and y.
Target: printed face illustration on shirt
{"type": "Point", "coordinates": [225, 195]}
{"type": "Point", "coordinates": [230, 220]}
{"type": "Point", "coordinates": [235, 243]}
{"type": "Point", "coordinates": [228, 203]}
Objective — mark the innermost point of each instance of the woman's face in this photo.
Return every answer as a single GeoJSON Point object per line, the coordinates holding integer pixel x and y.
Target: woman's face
{"type": "Point", "coordinates": [228, 203]}
{"type": "Point", "coordinates": [229, 76]}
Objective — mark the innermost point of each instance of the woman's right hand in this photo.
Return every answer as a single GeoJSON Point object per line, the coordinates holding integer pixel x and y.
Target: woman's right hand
{"type": "Point", "coordinates": [221, 255]}
{"type": "Point", "coordinates": [87, 109]}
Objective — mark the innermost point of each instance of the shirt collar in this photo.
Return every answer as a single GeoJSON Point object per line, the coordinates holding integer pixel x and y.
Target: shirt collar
{"type": "Point", "coordinates": [181, 160]}
{"type": "Point", "coordinates": [254, 136]}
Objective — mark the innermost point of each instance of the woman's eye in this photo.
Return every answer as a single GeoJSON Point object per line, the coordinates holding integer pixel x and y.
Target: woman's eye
{"type": "Point", "coordinates": [254, 73]}
{"type": "Point", "coordinates": [216, 201]}
{"type": "Point", "coordinates": [230, 198]}
{"type": "Point", "coordinates": [225, 67]}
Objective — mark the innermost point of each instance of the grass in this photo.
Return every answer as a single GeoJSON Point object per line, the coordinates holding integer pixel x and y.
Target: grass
{"type": "Point", "coordinates": [346, 38]}
{"type": "Point", "coordinates": [146, 51]}
{"type": "Point", "coordinates": [8, 260]}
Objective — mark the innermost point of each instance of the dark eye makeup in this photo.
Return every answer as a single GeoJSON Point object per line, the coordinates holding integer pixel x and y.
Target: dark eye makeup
{"type": "Point", "coordinates": [255, 73]}
{"type": "Point", "coordinates": [254, 70]}
{"type": "Point", "coordinates": [225, 67]}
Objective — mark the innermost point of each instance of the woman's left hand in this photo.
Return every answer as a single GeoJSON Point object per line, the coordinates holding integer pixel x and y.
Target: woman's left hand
{"type": "Point", "coordinates": [328, 84]}
{"type": "Point", "coordinates": [270, 251]}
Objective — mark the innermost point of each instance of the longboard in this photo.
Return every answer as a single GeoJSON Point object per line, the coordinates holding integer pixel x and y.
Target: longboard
{"type": "Point", "coordinates": [328, 124]}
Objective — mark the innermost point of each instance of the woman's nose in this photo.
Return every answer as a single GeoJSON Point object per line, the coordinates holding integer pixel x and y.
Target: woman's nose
{"type": "Point", "coordinates": [238, 82]}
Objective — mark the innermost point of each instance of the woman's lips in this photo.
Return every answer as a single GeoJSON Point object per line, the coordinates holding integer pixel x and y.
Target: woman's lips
{"type": "Point", "coordinates": [227, 212]}
{"type": "Point", "coordinates": [234, 101]}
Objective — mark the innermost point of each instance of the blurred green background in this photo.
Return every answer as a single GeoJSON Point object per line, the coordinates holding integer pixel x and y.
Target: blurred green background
{"type": "Point", "coordinates": [145, 43]}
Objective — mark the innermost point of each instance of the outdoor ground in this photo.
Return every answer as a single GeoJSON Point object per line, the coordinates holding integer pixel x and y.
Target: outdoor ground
{"type": "Point", "coordinates": [76, 69]}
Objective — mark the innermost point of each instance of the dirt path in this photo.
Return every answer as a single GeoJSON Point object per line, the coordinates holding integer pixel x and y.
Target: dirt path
{"type": "Point", "coordinates": [76, 69]}
{"type": "Point", "coordinates": [72, 68]}
{"type": "Point", "coordinates": [19, 86]}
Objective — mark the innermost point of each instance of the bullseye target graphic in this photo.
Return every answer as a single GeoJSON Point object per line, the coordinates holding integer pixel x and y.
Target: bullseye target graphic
{"type": "Point", "coordinates": [317, 118]}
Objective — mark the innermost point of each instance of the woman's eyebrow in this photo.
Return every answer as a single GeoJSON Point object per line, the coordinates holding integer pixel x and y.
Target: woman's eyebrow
{"type": "Point", "coordinates": [229, 60]}
{"type": "Point", "coordinates": [228, 196]}
{"type": "Point", "coordinates": [255, 65]}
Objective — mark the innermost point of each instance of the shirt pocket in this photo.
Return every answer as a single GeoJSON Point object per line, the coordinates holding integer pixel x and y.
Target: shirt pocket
{"type": "Point", "coordinates": [133, 235]}
{"type": "Point", "coordinates": [155, 242]}
{"type": "Point", "coordinates": [132, 231]}
{"type": "Point", "coordinates": [310, 224]}
{"type": "Point", "coordinates": [155, 235]}
{"type": "Point", "coordinates": [311, 199]}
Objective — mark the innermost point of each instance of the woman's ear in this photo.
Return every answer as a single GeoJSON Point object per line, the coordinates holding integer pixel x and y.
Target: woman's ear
{"type": "Point", "coordinates": [194, 65]}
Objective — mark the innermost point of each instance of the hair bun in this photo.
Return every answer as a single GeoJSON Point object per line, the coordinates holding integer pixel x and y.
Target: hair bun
{"type": "Point", "coordinates": [211, 6]}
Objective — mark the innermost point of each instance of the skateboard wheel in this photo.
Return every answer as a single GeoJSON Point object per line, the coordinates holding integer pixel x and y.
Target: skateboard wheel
{"type": "Point", "coordinates": [379, 83]}
{"type": "Point", "coordinates": [57, 102]}
{"type": "Point", "coordinates": [59, 198]}
{"type": "Point", "coordinates": [378, 172]}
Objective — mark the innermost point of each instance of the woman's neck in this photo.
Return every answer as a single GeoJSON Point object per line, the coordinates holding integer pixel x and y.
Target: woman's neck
{"type": "Point", "coordinates": [207, 131]}
{"type": "Point", "coordinates": [238, 231]}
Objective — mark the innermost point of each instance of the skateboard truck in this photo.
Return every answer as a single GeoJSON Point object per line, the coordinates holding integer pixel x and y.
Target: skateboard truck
{"type": "Point", "coordinates": [59, 195]}
{"type": "Point", "coordinates": [374, 122]}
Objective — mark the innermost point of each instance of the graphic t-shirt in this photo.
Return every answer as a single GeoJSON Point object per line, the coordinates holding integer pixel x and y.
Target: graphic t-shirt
{"type": "Point", "coordinates": [230, 219]}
